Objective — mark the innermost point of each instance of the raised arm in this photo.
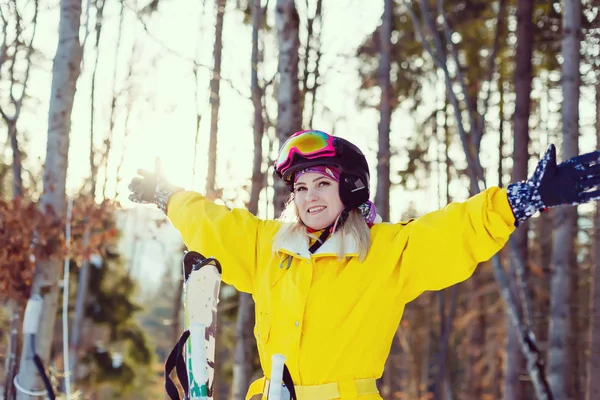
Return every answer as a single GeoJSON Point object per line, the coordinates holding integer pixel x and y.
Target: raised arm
{"type": "Point", "coordinates": [445, 246]}
{"type": "Point", "coordinates": [231, 236]}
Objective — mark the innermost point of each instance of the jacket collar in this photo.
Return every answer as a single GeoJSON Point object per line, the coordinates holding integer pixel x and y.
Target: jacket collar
{"type": "Point", "coordinates": [298, 246]}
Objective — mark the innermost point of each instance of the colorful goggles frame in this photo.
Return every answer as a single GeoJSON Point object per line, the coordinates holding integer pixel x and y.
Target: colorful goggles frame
{"type": "Point", "coordinates": [309, 144]}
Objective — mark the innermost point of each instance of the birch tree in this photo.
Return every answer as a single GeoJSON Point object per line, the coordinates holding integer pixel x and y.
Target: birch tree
{"type": "Point", "coordinates": [561, 283]}
{"type": "Point", "coordinates": [382, 196]}
{"type": "Point", "coordinates": [245, 347]}
{"type": "Point", "coordinates": [514, 364]}
{"type": "Point", "coordinates": [289, 113]}
{"type": "Point", "coordinates": [18, 78]}
{"type": "Point", "coordinates": [215, 101]}
{"type": "Point", "coordinates": [65, 72]}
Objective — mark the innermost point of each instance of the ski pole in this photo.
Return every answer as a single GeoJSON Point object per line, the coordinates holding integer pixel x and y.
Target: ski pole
{"type": "Point", "coordinates": [31, 321]}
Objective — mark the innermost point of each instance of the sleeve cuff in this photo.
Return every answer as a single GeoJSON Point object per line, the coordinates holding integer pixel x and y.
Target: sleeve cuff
{"type": "Point", "coordinates": [163, 194]}
{"type": "Point", "coordinates": [524, 200]}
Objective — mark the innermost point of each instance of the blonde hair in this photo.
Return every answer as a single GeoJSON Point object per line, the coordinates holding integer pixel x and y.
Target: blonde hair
{"type": "Point", "coordinates": [354, 227]}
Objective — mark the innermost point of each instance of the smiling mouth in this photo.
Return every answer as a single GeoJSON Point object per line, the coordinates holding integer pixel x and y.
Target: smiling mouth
{"type": "Point", "coordinates": [315, 210]}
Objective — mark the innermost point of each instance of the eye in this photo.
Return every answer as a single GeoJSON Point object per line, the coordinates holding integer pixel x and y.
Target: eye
{"type": "Point", "coordinates": [299, 189]}
{"type": "Point", "coordinates": [323, 183]}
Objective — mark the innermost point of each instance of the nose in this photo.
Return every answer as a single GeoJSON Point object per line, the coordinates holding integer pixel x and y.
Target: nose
{"type": "Point", "coordinates": [312, 195]}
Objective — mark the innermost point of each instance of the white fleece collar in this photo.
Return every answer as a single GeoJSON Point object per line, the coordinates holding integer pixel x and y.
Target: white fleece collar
{"type": "Point", "coordinates": [298, 245]}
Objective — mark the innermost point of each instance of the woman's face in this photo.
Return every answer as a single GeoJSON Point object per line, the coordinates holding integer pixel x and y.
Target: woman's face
{"type": "Point", "coordinates": [318, 200]}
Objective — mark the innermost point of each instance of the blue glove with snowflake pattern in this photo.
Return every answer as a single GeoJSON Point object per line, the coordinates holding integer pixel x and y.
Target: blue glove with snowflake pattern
{"type": "Point", "coordinates": [571, 182]}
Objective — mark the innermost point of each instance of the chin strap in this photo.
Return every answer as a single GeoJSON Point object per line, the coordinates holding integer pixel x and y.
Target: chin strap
{"type": "Point", "coordinates": [339, 222]}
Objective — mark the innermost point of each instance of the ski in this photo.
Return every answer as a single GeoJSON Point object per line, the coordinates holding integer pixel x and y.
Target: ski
{"type": "Point", "coordinates": [201, 293]}
{"type": "Point", "coordinates": [196, 366]}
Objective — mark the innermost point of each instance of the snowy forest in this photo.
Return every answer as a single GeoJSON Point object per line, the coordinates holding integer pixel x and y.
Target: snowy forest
{"type": "Point", "coordinates": [445, 98]}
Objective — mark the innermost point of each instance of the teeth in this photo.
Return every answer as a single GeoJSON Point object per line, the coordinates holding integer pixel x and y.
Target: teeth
{"type": "Point", "coordinates": [315, 209]}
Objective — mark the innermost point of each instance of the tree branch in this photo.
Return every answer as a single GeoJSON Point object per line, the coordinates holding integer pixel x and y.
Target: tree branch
{"type": "Point", "coordinates": [472, 170]}
{"type": "Point", "coordinates": [19, 102]}
{"type": "Point", "coordinates": [521, 284]}
{"type": "Point", "coordinates": [461, 78]}
{"type": "Point", "coordinates": [492, 68]}
{"type": "Point", "coordinates": [14, 56]}
{"type": "Point", "coordinates": [113, 105]}
{"type": "Point", "coordinates": [316, 71]}
{"type": "Point", "coordinates": [535, 363]}
{"type": "Point", "coordinates": [3, 46]}
{"type": "Point", "coordinates": [177, 54]}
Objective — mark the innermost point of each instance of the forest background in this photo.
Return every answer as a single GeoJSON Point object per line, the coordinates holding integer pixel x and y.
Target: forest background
{"type": "Point", "coordinates": [444, 97]}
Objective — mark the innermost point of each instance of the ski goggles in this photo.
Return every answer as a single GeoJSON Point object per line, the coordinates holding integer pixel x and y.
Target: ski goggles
{"type": "Point", "coordinates": [308, 144]}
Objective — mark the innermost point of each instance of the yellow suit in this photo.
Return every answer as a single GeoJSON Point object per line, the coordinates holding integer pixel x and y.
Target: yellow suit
{"type": "Point", "coordinates": [334, 321]}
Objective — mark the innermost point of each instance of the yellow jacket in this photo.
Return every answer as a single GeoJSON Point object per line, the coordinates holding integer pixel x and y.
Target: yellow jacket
{"type": "Point", "coordinates": [334, 321]}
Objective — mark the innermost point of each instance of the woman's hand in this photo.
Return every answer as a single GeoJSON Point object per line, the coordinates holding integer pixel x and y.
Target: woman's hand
{"type": "Point", "coordinates": [151, 187]}
{"type": "Point", "coordinates": [571, 182]}
{"type": "Point", "coordinates": [143, 188]}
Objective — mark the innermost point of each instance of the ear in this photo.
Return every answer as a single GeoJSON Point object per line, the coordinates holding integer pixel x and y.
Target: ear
{"type": "Point", "coordinates": [353, 191]}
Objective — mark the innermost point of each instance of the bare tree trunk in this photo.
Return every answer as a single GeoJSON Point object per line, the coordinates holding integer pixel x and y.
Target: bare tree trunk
{"type": "Point", "coordinates": [441, 388]}
{"type": "Point", "coordinates": [542, 225]}
{"type": "Point", "coordinates": [17, 162]}
{"type": "Point", "coordinates": [245, 348]}
{"type": "Point", "coordinates": [382, 196]}
{"type": "Point", "coordinates": [15, 311]}
{"type": "Point", "coordinates": [14, 307]}
{"type": "Point", "coordinates": [93, 164]}
{"type": "Point", "coordinates": [559, 356]}
{"type": "Point", "coordinates": [3, 45]}
{"type": "Point", "coordinates": [80, 306]}
{"type": "Point", "coordinates": [476, 329]}
{"type": "Point", "coordinates": [289, 113]}
{"type": "Point", "coordinates": [198, 100]}
{"type": "Point", "coordinates": [313, 42]}
{"type": "Point", "coordinates": [447, 140]}
{"type": "Point", "coordinates": [84, 272]}
{"type": "Point", "coordinates": [593, 367]}
{"type": "Point", "coordinates": [515, 363]}
{"type": "Point", "coordinates": [198, 120]}
{"type": "Point", "coordinates": [442, 380]}
{"type": "Point", "coordinates": [501, 125]}
{"type": "Point", "coordinates": [258, 178]}
{"type": "Point", "coordinates": [215, 101]}
{"type": "Point", "coordinates": [65, 72]}
{"type": "Point", "coordinates": [304, 61]}
{"type": "Point", "coordinates": [476, 338]}
{"type": "Point", "coordinates": [316, 72]}
{"type": "Point", "coordinates": [113, 104]}
{"type": "Point", "coordinates": [129, 111]}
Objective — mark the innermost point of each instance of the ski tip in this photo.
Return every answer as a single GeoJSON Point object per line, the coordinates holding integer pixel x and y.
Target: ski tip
{"type": "Point", "coordinates": [215, 262]}
{"type": "Point", "coordinates": [192, 260]}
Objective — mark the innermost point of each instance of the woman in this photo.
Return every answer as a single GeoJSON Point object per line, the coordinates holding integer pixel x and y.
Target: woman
{"type": "Point", "coordinates": [330, 282]}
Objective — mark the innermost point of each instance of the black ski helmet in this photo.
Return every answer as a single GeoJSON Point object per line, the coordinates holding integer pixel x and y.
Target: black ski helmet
{"type": "Point", "coordinates": [324, 149]}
